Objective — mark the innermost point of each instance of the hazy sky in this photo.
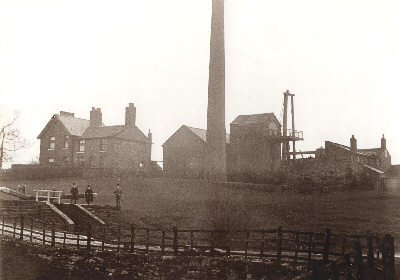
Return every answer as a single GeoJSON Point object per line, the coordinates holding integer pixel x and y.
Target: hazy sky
{"type": "Point", "coordinates": [340, 58]}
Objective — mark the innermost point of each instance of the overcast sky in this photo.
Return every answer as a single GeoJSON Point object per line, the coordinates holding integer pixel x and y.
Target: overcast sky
{"type": "Point", "coordinates": [340, 58]}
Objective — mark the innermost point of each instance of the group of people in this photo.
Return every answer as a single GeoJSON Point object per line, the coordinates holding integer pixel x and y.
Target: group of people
{"type": "Point", "coordinates": [89, 194]}
{"type": "Point", "coordinates": [75, 194]}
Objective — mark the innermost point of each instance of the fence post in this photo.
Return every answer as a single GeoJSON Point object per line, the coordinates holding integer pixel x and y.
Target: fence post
{"type": "Point", "coordinates": [44, 233]}
{"type": "Point", "coordinates": [65, 236]}
{"type": "Point", "coordinates": [103, 235]}
{"type": "Point", "coordinates": [132, 246]}
{"type": "Point", "coordinates": [326, 246]}
{"type": "Point", "coordinates": [310, 240]}
{"type": "Point", "coordinates": [262, 244]}
{"type": "Point", "coordinates": [228, 243]}
{"type": "Point", "coordinates": [14, 228]}
{"type": "Point", "coordinates": [89, 237]}
{"type": "Point", "coordinates": [119, 238]}
{"type": "Point", "coordinates": [370, 254]}
{"type": "Point", "coordinates": [358, 260]}
{"type": "Point", "coordinates": [279, 245]}
{"type": "Point", "coordinates": [53, 236]}
{"type": "Point", "coordinates": [30, 236]}
{"type": "Point", "coordinates": [21, 236]}
{"type": "Point", "coordinates": [191, 241]}
{"type": "Point", "coordinates": [246, 244]}
{"type": "Point", "coordinates": [297, 248]}
{"type": "Point", "coordinates": [343, 245]}
{"type": "Point", "coordinates": [378, 244]}
{"type": "Point", "coordinates": [162, 242]}
{"type": "Point", "coordinates": [388, 257]}
{"type": "Point", "coordinates": [2, 225]}
{"type": "Point", "coordinates": [175, 242]}
{"type": "Point", "coordinates": [147, 240]}
{"type": "Point", "coordinates": [212, 243]}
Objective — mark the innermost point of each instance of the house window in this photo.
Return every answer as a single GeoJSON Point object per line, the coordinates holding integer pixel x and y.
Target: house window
{"type": "Point", "coordinates": [82, 146]}
{"type": "Point", "coordinates": [66, 142]}
{"type": "Point", "coordinates": [52, 143]}
{"type": "Point", "coordinates": [103, 145]}
{"type": "Point", "coordinates": [51, 160]}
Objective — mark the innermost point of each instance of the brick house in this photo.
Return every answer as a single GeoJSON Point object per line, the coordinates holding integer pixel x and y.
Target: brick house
{"type": "Point", "coordinates": [184, 153]}
{"type": "Point", "coordinates": [255, 147]}
{"type": "Point", "coordinates": [70, 141]}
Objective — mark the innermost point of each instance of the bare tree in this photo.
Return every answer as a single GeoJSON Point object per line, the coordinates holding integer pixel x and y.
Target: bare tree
{"type": "Point", "coordinates": [10, 139]}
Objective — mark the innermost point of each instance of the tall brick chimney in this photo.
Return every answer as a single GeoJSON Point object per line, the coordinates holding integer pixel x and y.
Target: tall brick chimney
{"type": "Point", "coordinates": [215, 158]}
{"type": "Point", "coordinates": [96, 117]}
{"type": "Point", "coordinates": [353, 144]}
{"type": "Point", "coordinates": [383, 142]}
{"type": "Point", "coordinates": [130, 115]}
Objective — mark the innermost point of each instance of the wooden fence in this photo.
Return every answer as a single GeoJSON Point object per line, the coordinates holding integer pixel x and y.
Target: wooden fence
{"type": "Point", "coordinates": [275, 244]}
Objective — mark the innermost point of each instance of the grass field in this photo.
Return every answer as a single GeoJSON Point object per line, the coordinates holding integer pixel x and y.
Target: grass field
{"type": "Point", "coordinates": [163, 203]}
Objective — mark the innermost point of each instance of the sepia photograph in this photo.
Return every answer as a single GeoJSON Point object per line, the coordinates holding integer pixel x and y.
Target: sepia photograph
{"type": "Point", "coordinates": [199, 139]}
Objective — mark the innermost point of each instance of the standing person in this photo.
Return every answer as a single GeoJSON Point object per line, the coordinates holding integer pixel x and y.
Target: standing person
{"type": "Point", "coordinates": [118, 194]}
{"type": "Point", "coordinates": [89, 194]}
{"type": "Point", "coordinates": [53, 194]}
{"type": "Point", "coordinates": [74, 193]}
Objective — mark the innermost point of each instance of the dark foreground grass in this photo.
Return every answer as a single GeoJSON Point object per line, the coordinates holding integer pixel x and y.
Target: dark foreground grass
{"type": "Point", "coordinates": [163, 203]}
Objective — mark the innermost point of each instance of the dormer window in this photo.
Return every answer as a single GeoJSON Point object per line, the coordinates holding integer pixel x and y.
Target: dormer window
{"type": "Point", "coordinates": [52, 143]}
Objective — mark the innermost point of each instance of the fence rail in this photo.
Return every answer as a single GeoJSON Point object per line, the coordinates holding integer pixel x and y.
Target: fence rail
{"type": "Point", "coordinates": [276, 244]}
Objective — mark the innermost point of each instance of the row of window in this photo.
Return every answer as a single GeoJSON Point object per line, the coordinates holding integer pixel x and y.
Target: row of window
{"type": "Point", "coordinates": [81, 147]}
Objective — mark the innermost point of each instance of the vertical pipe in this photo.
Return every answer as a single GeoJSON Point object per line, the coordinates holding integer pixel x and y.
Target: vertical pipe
{"type": "Point", "coordinates": [285, 144]}
{"type": "Point", "coordinates": [293, 128]}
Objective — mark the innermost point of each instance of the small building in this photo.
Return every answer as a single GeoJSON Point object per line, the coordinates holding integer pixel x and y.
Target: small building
{"type": "Point", "coordinates": [184, 153]}
{"type": "Point", "coordinates": [70, 141]}
{"type": "Point", "coordinates": [254, 152]}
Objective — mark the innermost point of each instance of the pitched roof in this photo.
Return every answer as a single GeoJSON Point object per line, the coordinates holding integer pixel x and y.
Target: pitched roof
{"type": "Point", "coordinates": [120, 131]}
{"type": "Point", "coordinates": [102, 131]}
{"type": "Point", "coordinates": [202, 133]}
{"type": "Point", "coordinates": [75, 126]}
{"type": "Point", "coordinates": [133, 133]}
{"type": "Point", "coordinates": [370, 152]}
{"type": "Point", "coordinates": [255, 118]}
{"type": "Point", "coordinates": [364, 152]}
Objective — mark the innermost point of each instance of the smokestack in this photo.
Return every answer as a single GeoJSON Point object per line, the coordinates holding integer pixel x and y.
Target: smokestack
{"type": "Point", "coordinates": [150, 136]}
{"type": "Point", "coordinates": [96, 117]}
{"type": "Point", "coordinates": [353, 144]}
{"type": "Point", "coordinates": [383, 142]}
{"type": "Point", "coordinates": [215, 160]}
{"type": "Point", "coordinates": [130, 115]}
